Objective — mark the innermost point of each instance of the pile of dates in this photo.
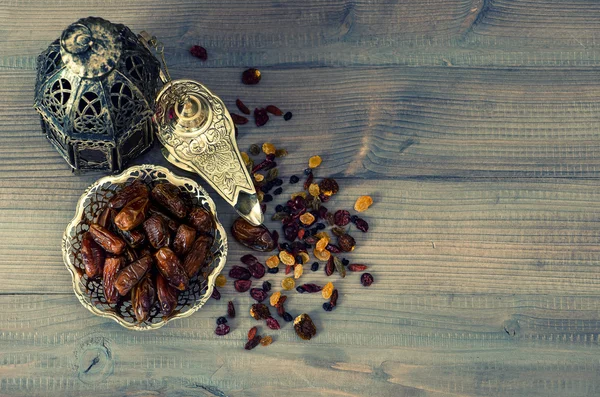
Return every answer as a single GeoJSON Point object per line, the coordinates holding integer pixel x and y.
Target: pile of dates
{"type": "Point", "coordinates": [147, 244]}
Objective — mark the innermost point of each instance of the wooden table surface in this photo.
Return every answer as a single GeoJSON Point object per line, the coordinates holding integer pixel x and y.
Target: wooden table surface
{"type": "Point", "coordinates": [474, 124]}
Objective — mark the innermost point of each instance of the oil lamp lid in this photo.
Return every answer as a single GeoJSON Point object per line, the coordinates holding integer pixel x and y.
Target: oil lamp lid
{"type": "Point", "coordinates": [91, 47]}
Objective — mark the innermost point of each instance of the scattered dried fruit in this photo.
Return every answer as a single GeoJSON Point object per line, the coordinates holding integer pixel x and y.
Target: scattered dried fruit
{"type": "Point", "coordinates": [362, 203]}
{"type": "Point", "coordinates": [310, 288]}
{"type": "Point", "coordinates": [268, 148]}
{"type": "Point", "coordinates": [322, 243]}
{"type": "Point", "coordinates": [199, 52]}
{"type": "Point", "coordinates": [239, 273]}
{"type": "Point", "coordinates": [328, 187]}
{"type": "Point", "coordinates": [327, 290]}
{"type": "Point", "coordinates": [298, 270]}
{"type": "Point", "coordinates": [222, 329]}
{"type": "Point", "coordinates": [258, 294]}
{"type": "Point", "coordinates": [341, 217]}
{"type": "Point", "coordinates": [322, 255]}
{"type": "Point", "coordinates": [304, 326]}
{"type": "Point", "coordinates": [274, 299]}
{"type": "Point", "coordinates": [272, 261]}
{"type": "Point", "coordinates": [304, 256]}
{"type": "Point", "coordinates": [307, 218]}
{"type": "Point", "coordinates": [273, 323]}
{"type": "Point", "coordinates": [287, 258]}
{"type": "Point", "coordinates": [334, 297]}
{"type": "Point", "coordinates": [346, 242]}
{"type": "Point", "coordinates": [242, 285]}
{"type": "Point", "coordinates": [314, 190]}
{"type": "Point", "coordinates": [357, 268]}
{"type": "Point", "coordinates": [237, 119]}
{"type": "Point", "coordinates": [274, 110]}
{"type": "Point", "coordinates": [362, 225]}
{"type": "Point", "coordinates": [220, 281]}
{"type": "Point", "coordinates": [259, 311]}
{"type": "Point", "coordinates": [216, 295]}
{"type": "Point", "coordinates": [288, 283]}
{"type": "Point", "coordinates": [329, 266]}
{"type": "Point", "coordinates": [366, 279]}
{"type": "Point", "coordinates": [266, 340]}
{"type": "Point", "coordinates": [339, 266]}
{"type": "Point", "coordinates": [252, 343]}
{"type": "Point", "coordinates": [314, 162]}
{"type": "Point", "coordinates": [230, 309]}
{"type": "Point", "coordinates": [240, 105]}
{"type": "Point", "coordinates": [251, 76]}
{"type": "Point", "coordinates": [287, 116]}
{"type": "Point", "coordinates": [260, 117]}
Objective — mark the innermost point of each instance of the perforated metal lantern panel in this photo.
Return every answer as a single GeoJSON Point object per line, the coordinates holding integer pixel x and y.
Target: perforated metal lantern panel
{"type": "Point", "coordinates": [95, 92]}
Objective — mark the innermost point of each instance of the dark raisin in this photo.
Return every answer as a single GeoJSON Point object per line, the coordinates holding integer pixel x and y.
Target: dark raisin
{"type": "Point", "coordinates": [267, 198]}
{"type": "Point", "coordinates": [242, 285]}
{"type": "Point", "coordinates": [287, 209]}
{"type": "Point", "coordinates": [254, 149]}
{"type": "Point", "coordinates": [266, 286]}
{"type": "Point", "coordinates": [341, 218]}
{"type": "Point", "coordinates": [216, 295]}
{"type": "Point", "coordinates": [328, 187]}
{"type": "Point", "coordinates": [298, 259]}
{"type": "Point", "coordinates": [287, 317]}
{"type": "Point", "coordinates": [230, 309]}
{"type": "Point", "coordinates": [366, 279]}
{"type": "Point", "coordinates": [315, 266]}
{"type": "Point", "coordinates": [221, 320]}
{"type": "Point", "coordinates": [308, 171]}
{"type": "Point", "coordinates": [333, 248]}
{"type": "Point", "coordinates": [257, 270]}
{"type": "Point", "coordinates": [260, 117]}
{"type": "Point", "coordinates": [310, 288]}
{"type": "Point", "coordinates": [237, 119]}
{"type": "Point", "coordinates": [308, 181]}
{"type": "Point", "coordinates": [273, 270]}
{"type": "Point", "coordinates": [330, 266]}
{"type": "Point", "coordinates": [320, 226]}
{"type": "Point", "coordinates": [278, 182]}
{"type": "Point", "coordinates": [287, 116]}
{"type": "Point", "coordinates": [323, 212]}
{"type": "Point", "coordinates": [240, 105]}
{"type": "Point", "coordinates": [345, 262]}
{"type": "Point", "coordinates": [327, 306]}
{"type": "Point", "coordinates": [286, 247]}
{"type": "Point", "coordinates": [300, 289]}
{"type": "Point", "coordinates": [294, 179]}
{"type": "Point", "coordinates": [222, 329]}
{"type": "Point", "coordinates": [258, 294]}
{"type": "Point", "coordinates": [279, 208]}
{"type": "Point", "coordinates": [274, 110]}
{"type": "Point", "coordinates": [334, 297]}
{"type": "Point", "coordinates": [275, 237]}
{"type": "Point", "coordinates": [199, 52]}
{"type": "Point", "coordinates": [251, 76]}
{"type": "Point", "coordinates": [362, 225]}
{"type": "Point", "coordinates": [353, 218]}
{"type": "Point", "coordinates": [278, 191]}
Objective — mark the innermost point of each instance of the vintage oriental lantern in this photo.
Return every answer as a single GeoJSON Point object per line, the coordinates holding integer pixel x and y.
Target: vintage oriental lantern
{"type": "Point", "coordinates": [95, 92]}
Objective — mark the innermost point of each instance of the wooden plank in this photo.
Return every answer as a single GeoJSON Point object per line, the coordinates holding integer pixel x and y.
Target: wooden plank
{"type": "Point", "coordinates": [411, 345]}
{"type": "Point", "coordinates": [316, 33]}
{"type": "Point", "coordinates": [425, 237]}
{"type": "Point", "coordinates": [383, 123]}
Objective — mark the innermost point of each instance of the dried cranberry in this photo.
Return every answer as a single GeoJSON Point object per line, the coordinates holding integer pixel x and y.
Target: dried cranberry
{"type": "Point", "coordinates": [239, 273]}
{"type": "Point", "coordinates": [251, 76]}
{"type": "Point", "coordinates": [287, 116]}
{"type": "Point", "coordinates": [272, 323]}
{"type": "Point", "coordinates": [322, 212]}
{"type": "Point", "coordinates": [357, 268]}
{"type": "Point", "coordinates": [274, 110]}
{"type": "Point", "coordinates": [366, 279]}
{"type": "Point", "coordinates": [243, 108]}
{"type": "Point", "coordinates": [280, 310]}
{"type": "Point", "coordinates": [230, 309]}
{"type": "Point", "coordinates": [260, 117]}
{"type": "Point", "coordinates": [258, 294]}
{"type": "Point", "coordinates": [308, 181]}
{"type": "Point", "coordinates": [237, 119]}
{"type": "Point", "coordinates": [290, 232]}
{"type": "Point", "coordinates": [222, 329]}
{"type": "Point", "coordinates": [311, 288]}
{"type": "Point", "coordinates": [266, 286]}
{"type": "Point", "coordinates": [242, 285]}
{"type": "Point", "coordinates": [362, 225]}
{"type": "Point", "coordinates": [221, 320]}
{"type": "Point", "coordinates": [257, 270]}
{"type": "Point", "coordinates": [199, 52]}
{"type": "Point", "coordinates": [310, 239]}
{"type": "Point", "coordinates": [287, 317]}
{"type": "Point", "coordinates": [288, 269]}
{"type": "Point", "coordinates": [252, 333]}
{"type": "Point", "coordinates": [252, 343]}
{"type": "Point", "coordinates": [333, 248]}
{"type": "Point", "coordinates": [216, 295]}
{"type": "Point", "coordinates": [327, 306]}
{"type": "Point", "coordinates": [341, 218]}
{"type": "Point", "coordinates": [315, 266]}
{"type": "Point", "coordinates": [330, 266]}
{"type": "Point", "coordinates": [248, 259]}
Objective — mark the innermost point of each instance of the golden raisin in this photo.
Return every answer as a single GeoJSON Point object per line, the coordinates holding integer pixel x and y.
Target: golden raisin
{"type": "Point", "coordinates": [259, 177]}
{"type": "Point", "coordinates": [260, 195]}
{"type": "Point", "coordinates": [245, 157]}
{"type": "Point", "coordinates": [287, 258]}
{"type": "Point", "coordinates": [314, 190]}
{"type": "Point", "coordinates": [323, 234]}
{"type": "Point", "coordinates": [281, 153]}
{"type": "Point", "coordinates": [298, 270]}
{"type": "Point", "coordinates": [321, 244]}
{"type": "Point", "coordinates": [288, 283]}
{"type": "Point", "coordinates": [275, 298]}
{"type": "Point", "coordinates": [304, 256]}
{"type": "Point", "coordinates": [307, 218]}
{"type": "Point", "coordinates": [301, 194]}
{"type": "Point", "coordinates": [314, 161]}
{"type": "Point", "coordinates": [220, 281]}
{"type": "Point", "coordinates": [268, 148]}
{"type": "Point", "coordinates": [322, 255]}
{"type": "Point", "coordinates": [272, 262]}
{"type": "Point", "coordinates": [327, 290]}
{"type": "Point", "coordinates": [362, 203]}
{"type": "Point", "coordinates": [266, 340]}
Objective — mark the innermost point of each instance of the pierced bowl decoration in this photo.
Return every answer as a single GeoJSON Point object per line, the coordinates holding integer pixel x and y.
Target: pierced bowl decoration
{"type": "Point", "coordinates": [94, 92]}
{"type": "Point", "coordinates": [90, 291]}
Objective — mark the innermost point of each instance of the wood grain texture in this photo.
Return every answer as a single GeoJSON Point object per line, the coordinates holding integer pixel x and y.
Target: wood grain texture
{"type": "Point", "coordinates": [474, 125]}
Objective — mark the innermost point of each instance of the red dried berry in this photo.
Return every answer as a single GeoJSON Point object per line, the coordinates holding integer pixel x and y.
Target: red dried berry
{"type": "Point", "coordinates": [366, 279]}
{"type": "Point", "coordinates": [222, 329]}
{"type": "Point", "coordinates": [290, 232]}
{"type": "Point", "coordinates": [274, 110]}
{"type": "Point", "coordinates": [257, 270]}
{"type": "Point", "coordinates": [362, 225]}
{"type": "Point", "coordinates": [333, 248]}
{"type": "Point", "coordinates": [216, 295]}
{"type": "Point", "coordinates": [239, 273]}
{"type": "Point", "coordinates": [281, 310]}
{"type": "Point", "coordinates": [230, 309]}
{"type": "Point", "coordinates": [252, 333]}
{"type": "Point", "coordinates": [357, 268]}
{"type": "Point", "coordinates": [242, 285]}
{"type": "Point", "coordinates": [311, 288]}
{"type": "Point", "coordinates": [341, 218]}
{"type": "Point", "coordinates": [301, 233]}
{"type": "Point", "coordinates": [308, 181]}
{"type": "Point", "coordinates": [258, 294]}
{"type": "Point", "coordinates": [252, 343]}
{"type": "Point", "coordinates": [251, 76]}
{"type": "Point", "coordinates": [330, 266]}
{"type": "Point", "coordinates": [248, 259]}
{"type": "Point", "coordinates": [237, 119]}
{"type": "Point", "coordinates": [243, 108]}
{"type": "Point", "coordinates": [281, 301]}
{"type": "Point", "coordinates": [288, 269]}
{"type": "Point", "coordinates": [272, 323]}
{"type": "Point", "coordinates": [334, 297]}
{"type": "Point", "coordinates": [199, 52]}
{"type": "Point", "coordinates": [260, 117]}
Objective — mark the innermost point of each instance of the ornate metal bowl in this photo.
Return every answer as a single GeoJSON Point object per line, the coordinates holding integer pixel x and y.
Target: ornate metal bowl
{"type": "Point", "coordinates": [90, 291]}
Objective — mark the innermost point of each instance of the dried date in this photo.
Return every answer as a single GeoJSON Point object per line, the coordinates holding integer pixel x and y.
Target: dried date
{"type": "Point", "coordinates": [128, 193]}
{"type": "Point", "coordinates": [184, 239]}
{"type": "Point", "coordinates": [106, 239]}
{"type": "Point", "coordinates": [132, 274]}
{"type": "Point", "coordinates": [257, 238]}
{"type": "Point", "coordinates": [167, 295]}
{"type": "Point", "coordinates": [171, 268]}
{"type": "Point", "coordinates": [201, 219]}
{"type": "Point", "coordinates": [134, 238]}
{"type": "Point", "coordinates": [133, 214]}
{"type": "Point", "coordinates": [196, 257]}
{"type": "Point", "coordinates": [172, 224]}
{"type": "Point", "coordinates": [92, 256]}
{"type": "Point", "coordinates": [168, 196]}
{"type": "Point", "coordinates": [142, 298]}
{"type": "Point", "coordinates": [109, 275]}
{"type": "Point", "coordinates": [106, 218]}
{"type": "Point", "coordinates": [157, 232]}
